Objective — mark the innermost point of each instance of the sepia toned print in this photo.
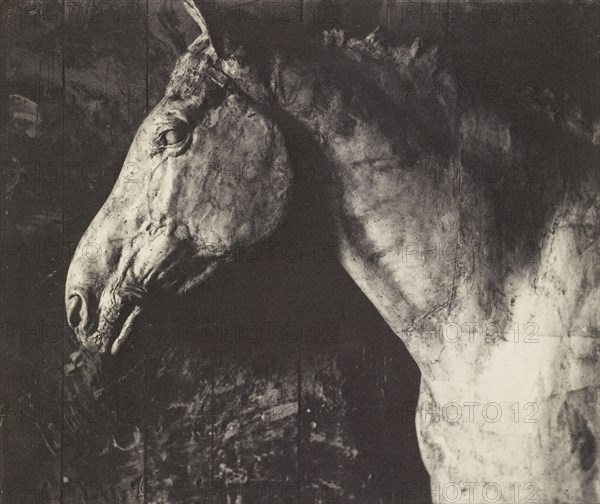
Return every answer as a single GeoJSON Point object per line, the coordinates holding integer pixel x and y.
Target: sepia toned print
{"type": "Point", "coordinates": [302, 251]}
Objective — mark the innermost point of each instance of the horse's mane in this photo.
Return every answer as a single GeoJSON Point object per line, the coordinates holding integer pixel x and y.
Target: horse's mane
{"type": "Point", "coordinates": [402, 70]}
{"type": "Point", "coordinates": [378, 45]}
{"type": "Point", "coordinates": [416, 60]}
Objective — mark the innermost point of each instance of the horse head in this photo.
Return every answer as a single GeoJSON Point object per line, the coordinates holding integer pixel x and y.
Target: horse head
{"type": "Point", "coordinates": [206, 175]}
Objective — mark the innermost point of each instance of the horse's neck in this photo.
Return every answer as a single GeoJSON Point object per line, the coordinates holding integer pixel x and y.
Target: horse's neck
{"type": "Point", "coordinates": [397, 191]}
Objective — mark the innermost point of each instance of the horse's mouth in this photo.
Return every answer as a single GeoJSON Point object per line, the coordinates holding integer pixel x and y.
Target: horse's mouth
{"type": "Point", "coordinates": [117, 318]}
{"type": "Point", "coordinates": [127, 329]}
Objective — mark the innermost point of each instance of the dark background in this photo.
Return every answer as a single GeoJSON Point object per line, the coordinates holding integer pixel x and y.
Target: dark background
{"type": "Point", "coordinates": [279, 382]}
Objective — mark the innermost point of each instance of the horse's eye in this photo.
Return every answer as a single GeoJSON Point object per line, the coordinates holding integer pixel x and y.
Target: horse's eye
{"type": "Point", "coordinates": [175, 136]}
{"type": "Point", "coordinates": [173, 141]}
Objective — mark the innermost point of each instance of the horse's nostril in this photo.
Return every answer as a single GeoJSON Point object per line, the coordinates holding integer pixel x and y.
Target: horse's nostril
{"type": "Point", "coordinates": [76, 311]}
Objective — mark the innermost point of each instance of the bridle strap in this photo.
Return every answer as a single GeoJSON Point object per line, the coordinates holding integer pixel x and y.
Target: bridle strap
{"type": "Point", "coordinates": [217, 75]}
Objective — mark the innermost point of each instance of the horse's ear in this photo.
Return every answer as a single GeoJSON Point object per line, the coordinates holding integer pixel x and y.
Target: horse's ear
{"type": "Point", "coordinates": [204, 43]}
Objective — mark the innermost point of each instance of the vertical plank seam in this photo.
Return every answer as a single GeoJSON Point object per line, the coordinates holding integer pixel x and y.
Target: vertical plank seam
{"type": "Point", "coordinates": [212, 416]}
{"type": "Point", "coordinates": [4, 77]}
{"type": "Point", "coordinates": [299, 455]}
{"type": "Point", "coordinates": [447, 30]}
{"type": "Point", "coordinates": [145, 396]}
{"type": "Point", "coordinates": [147, 23]}
{"type": "Point", "coordinates": [64, 199]}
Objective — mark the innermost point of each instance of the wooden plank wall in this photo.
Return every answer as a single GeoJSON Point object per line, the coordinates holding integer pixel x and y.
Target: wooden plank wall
{"type": "Point", "coordinates": [280, 384]}
{"type": "Point", "coordinates": [32, 164]}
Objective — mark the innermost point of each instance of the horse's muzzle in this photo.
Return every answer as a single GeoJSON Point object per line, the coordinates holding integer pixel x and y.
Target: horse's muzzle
{"type": "Point", "coordinates": [106, 331]}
